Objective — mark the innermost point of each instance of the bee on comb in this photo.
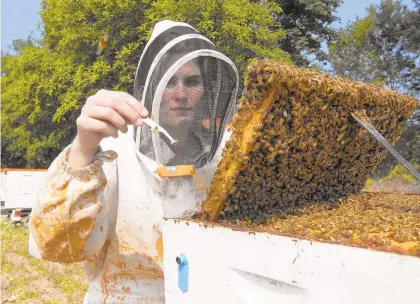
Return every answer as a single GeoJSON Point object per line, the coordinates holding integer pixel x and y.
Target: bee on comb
{"type": "Point", "coordinates": [293, 141]}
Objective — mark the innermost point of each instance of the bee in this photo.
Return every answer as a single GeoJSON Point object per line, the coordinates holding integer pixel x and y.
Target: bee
{"type": "Point", "coordinates": [102, 44]}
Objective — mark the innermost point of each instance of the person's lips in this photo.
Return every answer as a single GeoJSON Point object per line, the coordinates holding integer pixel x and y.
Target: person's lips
{"type": "Point", "coordinates": [181, 110]}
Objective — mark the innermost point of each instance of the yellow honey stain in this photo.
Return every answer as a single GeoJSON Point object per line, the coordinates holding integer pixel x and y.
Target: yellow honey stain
{"type": "Point", "coordinates": [125, 247]}
{"type": "Point", "coordinates": [126, 289]}
{"type": "Point", "coordinates": [159, 248]}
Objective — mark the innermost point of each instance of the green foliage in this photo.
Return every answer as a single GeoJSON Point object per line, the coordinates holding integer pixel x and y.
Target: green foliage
{"type": "Point", "coordinates": [409, 147]}
{"type": "Point", "coordinates": [32, 85]}
{"type": "Point", "coordinates": [307, 25]}
{"type": "Point", "coordinates": [240, 28]}
{"type": "Point", "coordinates": [74, 28]}
{"type": "Point", "coordinates": [400, 171]}
{"type": "Point", "coordinates": [381, 48]}
{"type": "Point", "coordinates": [397, 176]}
{"type": "Point", "coordinates": [350, 55]}
{"type": "Point", "coordinates": [368, 184]}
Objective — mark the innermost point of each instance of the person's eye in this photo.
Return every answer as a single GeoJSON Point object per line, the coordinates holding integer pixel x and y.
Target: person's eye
{"type": "Point", "coordinates": [193, 81]}
{"type": "Point", "coordinates": [172, 83]}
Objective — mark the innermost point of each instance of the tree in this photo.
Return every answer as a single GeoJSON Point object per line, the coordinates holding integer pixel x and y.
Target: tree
{"type": "Point", "coordinates": [240, 28]}
{"type": "Point", "coordinates": [32, 84]}
{"type": "Point", "coordinates": [350, 55]}
{"type": "Point", "coordinates": [307, 25]}
{"type": "Point", "coordinates": [382, 48]}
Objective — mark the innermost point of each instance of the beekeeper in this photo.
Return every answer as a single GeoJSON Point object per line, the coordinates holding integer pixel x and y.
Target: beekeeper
{"type": "Point", "coordinates": [101, 203]}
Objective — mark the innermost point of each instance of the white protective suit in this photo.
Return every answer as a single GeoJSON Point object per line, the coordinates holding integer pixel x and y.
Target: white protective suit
{"type": "Point", "coordinates": [108, 214]}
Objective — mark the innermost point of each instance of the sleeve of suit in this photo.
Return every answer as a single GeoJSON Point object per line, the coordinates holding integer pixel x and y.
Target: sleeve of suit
{"type": "Point", "coordinates": [69, 221]}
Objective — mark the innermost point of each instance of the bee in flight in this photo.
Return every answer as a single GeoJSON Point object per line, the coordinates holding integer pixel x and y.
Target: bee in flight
{"type": "Point", "coordinates": [102, 44]}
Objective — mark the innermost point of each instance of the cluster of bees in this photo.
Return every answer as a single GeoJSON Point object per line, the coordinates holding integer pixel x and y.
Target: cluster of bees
{"type": "Point", "coordinates": [386, 222]}
{"type": "Point", "coordinates": [295, 143]}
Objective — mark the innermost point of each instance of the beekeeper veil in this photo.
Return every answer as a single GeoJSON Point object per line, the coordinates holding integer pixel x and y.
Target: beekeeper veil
{"type": "Point", "coordinates": [189, 88]}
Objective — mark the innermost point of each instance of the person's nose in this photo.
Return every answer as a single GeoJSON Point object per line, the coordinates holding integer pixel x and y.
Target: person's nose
{"type": "Point", "coordinates": [180, 91]}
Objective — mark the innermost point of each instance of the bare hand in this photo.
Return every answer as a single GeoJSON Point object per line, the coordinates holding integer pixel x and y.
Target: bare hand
{"type": "Point", "coordinates": [103, 115]}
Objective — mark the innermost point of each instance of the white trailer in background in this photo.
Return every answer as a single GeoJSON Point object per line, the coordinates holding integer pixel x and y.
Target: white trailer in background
{"type": "Point", "coordinates": [19, 189]}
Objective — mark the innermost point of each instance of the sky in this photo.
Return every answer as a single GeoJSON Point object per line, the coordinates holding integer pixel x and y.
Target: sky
{"type": "Point", "coordinates": [20, 18]}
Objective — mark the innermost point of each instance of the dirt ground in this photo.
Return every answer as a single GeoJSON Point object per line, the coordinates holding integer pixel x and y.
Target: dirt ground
{"type": "Point", "coordinates": [25, 279]}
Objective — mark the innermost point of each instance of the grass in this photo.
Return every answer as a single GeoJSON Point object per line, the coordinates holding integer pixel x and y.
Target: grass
{"type": "Point", "coordinates": [64, 283]}
{"type": "Point", "coordinates": [70, 284]}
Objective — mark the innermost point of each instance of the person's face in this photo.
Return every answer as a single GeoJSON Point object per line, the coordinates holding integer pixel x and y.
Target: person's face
{"type": "Point", "coordinates": [182, 93]}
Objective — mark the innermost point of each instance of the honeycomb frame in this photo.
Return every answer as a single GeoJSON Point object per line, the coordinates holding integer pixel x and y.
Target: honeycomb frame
{"type": "Point", "coordinates": [295, 144]}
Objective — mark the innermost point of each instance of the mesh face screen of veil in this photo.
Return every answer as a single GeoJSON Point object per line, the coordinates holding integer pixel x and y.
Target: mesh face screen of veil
{"type": "Point", "coordinates": [189, 88]}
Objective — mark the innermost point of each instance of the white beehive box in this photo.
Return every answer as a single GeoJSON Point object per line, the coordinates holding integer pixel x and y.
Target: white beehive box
{"type": "Point", "coordinates": [233, 267]}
